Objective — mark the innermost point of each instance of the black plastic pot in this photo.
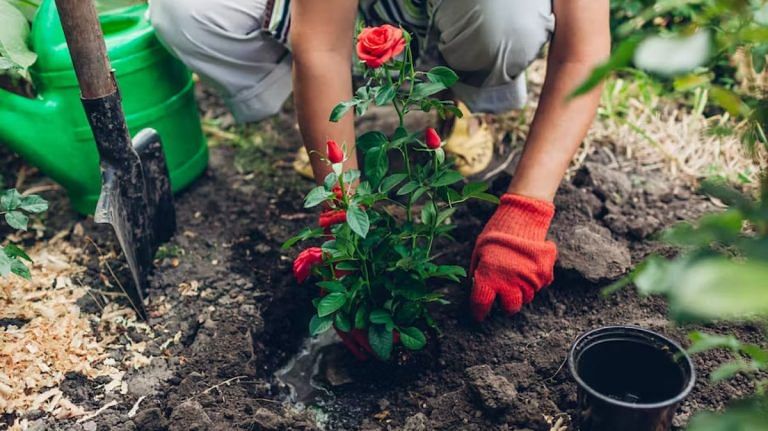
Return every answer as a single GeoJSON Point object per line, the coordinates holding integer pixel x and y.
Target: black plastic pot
{"type": "Point", "coordinates": [630, 379]}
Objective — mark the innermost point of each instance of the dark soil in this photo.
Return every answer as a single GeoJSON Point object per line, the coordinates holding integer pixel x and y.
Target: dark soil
{"type": "Point", "coordinates": [249, 317]}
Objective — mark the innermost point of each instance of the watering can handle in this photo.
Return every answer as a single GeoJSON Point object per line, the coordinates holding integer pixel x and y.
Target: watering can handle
{"type": "Point", "coordinates": [87, 48]}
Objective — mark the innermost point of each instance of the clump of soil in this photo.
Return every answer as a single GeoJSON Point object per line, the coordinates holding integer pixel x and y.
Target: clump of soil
{"type": "Point", "coordinates": [229, 298]}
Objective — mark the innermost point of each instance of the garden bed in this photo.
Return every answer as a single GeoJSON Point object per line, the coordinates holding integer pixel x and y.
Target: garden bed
{"type": "Point", "coordinates": [226, 313]}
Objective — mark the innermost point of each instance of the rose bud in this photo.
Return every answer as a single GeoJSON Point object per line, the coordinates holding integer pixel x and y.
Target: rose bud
{"type": "Point", "coordinates": [304, 262]}
{"type": "Point", "coordinates": [432, 139]}
{"type": "Point", "coordinates": [332, 217]}
{"type": "Point", "coordinates": [337, 193]}
{"type": "Point", "coordinates": [335, 155]}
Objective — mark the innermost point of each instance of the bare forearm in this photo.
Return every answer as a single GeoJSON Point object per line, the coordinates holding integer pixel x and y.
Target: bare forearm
{"type": "Point", "coordinates": [321, 37]}
{"type": "Point", "coordinates": [319, 84]}
{"type": "Point", "coordinates": [558, 129]}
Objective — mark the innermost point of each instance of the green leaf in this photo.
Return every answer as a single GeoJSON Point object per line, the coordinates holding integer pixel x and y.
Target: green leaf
{"type": "Point", "coordinates": [330, 181]}
{"type": "Point", "coordinates": [381, 316]}
{"type": "Point", "coordinates": [17, 220]}
{"type": "Point", "coordinates": [341, 109]}
{"type": "Point", "coordinates": [33, 204]}
{"type": "Point", "coordinates": [417, 194]}
{"type": "Point", "coordinates": [728, 370]}
{"type": "Point", "coordinates": [718, 288]}
{"type": "Point", "coordinates": [691, 81]}
{"type": "Point", "coordinates": [385, 94]}
{"type": "Point", "coordinates": [14, 251]}
{"type": "Point", "coordinates": [350, 176]}
{"type": "Point", "coordinates": [447, 178]}
{"type": "Point", "coordinates": [5, 263]}
{"type": "Point", "coordinates": [473, 189]}
{"type": "Point", "coordinates": [357, 219]}
{"type": "Point", "coordinates": [429, 213]}
{"type": "Point", "coordinates": [750, 415]}
{"type": "Point", "coordinates": [305, 234]}
{"type": "Point", "coordinates": [412, 338]}
{"type": "Point", "coordinates": [423, 90]}
{"type": "Point", "coordinates": [653, 276]}
{"type": "Point", "coordinates": [376, 165]}
{"type": "Point", "coordinates": [18, 268]}
{"type": "Point", "coordinates": [408, 187]}
{"type": "Point", "coordinates": [342, 323]}
{"type": "Point", "coordinates": [361, 317]}
{"type": "Point", "coordinates": [10, 200]}
{"type": "Point", "coordinates": [621, 57]}
{"type": "Point", "coordinates": [443, 215]}
{"type": "Point", "coordinates": [317, 196]}
{"type": "Point", "coordinates": [443, 75]}
{"type": "Point", "coordinates": [729, 101]}
{"type": "Point", "coordinates": [487, 197]}
{"type": "Point", "coordinates": [407, 313]}
{"type": "Point", "coordinates": [330, 303]}
{"type": "Point", "coordinates": [370, 140]}
{"type": "Point", "coordinates": [702, 342]}
{"type": "Point", "coordinates": [332, 286]}
{"type": "Point", "coordinates": [347, 266]}
{"type": "Point", "coordinates": [381, 341]}
{"type": "Point", "coordinates": [318, 325]}
{"type": "Point", "coordinates": [391, 181]}
{"type": "Point", "coordinates": [452, 272]}
{"type": "Point", "coordinates": [14, 30]}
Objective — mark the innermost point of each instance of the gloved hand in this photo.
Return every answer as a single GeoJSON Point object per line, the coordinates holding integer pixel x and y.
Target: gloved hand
{"type": "Point", "coordinates": [512, 259]}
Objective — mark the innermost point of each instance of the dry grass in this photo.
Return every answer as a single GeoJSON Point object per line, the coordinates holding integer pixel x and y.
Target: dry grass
{"type": "Point", "coordinates": [658, 133]}
{"type": "Point", "coordinates": [57, 338]}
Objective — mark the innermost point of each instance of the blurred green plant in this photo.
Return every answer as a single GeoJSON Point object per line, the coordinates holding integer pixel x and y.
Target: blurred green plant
{"type": "Point", "coordinates": [721, 273]}
{"type": "Point", "coordinates": [692, 44]}
{"type": "Point", "coordinates": [16, 209]}
{"type": "Point", "coordinates": [15, 18]}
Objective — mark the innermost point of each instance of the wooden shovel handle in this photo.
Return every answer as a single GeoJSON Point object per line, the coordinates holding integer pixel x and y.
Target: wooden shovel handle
{"type": "Point", "coordinates": [86, 47]}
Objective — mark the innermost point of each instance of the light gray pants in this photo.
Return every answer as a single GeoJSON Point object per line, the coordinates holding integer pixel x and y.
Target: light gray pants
{"type": "Point", "coordinates": [489, 43]}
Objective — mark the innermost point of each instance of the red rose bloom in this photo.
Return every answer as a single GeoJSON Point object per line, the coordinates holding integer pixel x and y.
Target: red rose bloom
{"type": "Point", "coordinates": [432, 139]}
{"type": "Point", "coordinates": [335, 155]}
{"type": "Point", "coordinates": [304, 262]}
{"type": "Point", "coordinates": [332, 217]}
{"type": "Point", "coordinates": [378, 45]}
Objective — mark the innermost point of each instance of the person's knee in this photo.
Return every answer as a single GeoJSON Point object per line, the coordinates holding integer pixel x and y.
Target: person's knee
{"type": "Point", "coordinates": [488, 35]}
{"type": "Point", "coordinates": [175, 21]}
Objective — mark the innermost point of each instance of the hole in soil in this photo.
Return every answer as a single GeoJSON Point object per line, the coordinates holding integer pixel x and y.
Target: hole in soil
{"type": "Point", "coordinates": [630, 371]}
{"type": "Point", "coordinates": [301, 372]}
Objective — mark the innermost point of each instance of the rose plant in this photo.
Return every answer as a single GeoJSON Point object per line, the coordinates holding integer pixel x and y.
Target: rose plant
{"type": "Point", "coordinates": [376, 268]}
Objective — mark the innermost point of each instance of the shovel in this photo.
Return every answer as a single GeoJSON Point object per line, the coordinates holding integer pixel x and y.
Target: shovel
{"type": "Point", "coordinates": [136, 197]}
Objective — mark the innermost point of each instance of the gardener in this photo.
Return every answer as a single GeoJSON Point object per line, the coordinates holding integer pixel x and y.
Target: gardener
{"type": "Point", "coordinates": [256, 51]}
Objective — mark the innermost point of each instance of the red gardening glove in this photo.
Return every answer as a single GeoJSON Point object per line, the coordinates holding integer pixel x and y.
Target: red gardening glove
{"type": "Point", "coordinates": [512, 258]}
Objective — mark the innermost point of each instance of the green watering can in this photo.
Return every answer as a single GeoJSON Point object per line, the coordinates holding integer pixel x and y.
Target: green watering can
{"type": "Point", "coordinates": [52, 132]}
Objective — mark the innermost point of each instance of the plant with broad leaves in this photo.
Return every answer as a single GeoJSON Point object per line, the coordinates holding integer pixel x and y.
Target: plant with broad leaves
{"type": "Point", "coordinates": [16, 208]}
{"type": "Point", "coordinates": [722, 270]}
{"type": "Point", "coordinates": [376, 267]}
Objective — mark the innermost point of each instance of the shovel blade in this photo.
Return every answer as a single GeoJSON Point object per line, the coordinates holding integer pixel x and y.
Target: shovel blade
{"type": "Point", "coordinates": [115, 210]}
{"type": "Point", "coordinates": [136, 197]}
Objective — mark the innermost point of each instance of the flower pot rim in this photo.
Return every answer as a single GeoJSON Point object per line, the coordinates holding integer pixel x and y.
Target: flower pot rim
{"type": "Point", "coordinates": [632, 330]}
